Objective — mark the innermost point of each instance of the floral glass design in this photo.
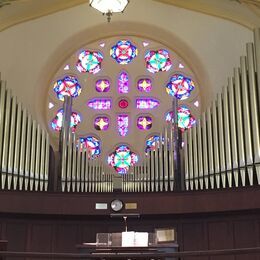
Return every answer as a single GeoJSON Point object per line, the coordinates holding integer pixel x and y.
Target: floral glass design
{"type": "Point", "coordinates": [56, 122]}
{"type": "Point", "coordinates": [100, 104]}
{"type": "Point", "coordinates": [185, 118]}
{"type": "Point", "coordinates": [122, 158]}
{"type": "Point", "coordinates": [101, 123]}
{"type": "Point", "coordinates": [144, 122]}
{"type": "Point", "coordinates": [158, 61]}
{"type": "Point", "coordinates": [147, 103]}
{"type": "Point", "coordinates": [144, 85]}
{"type": "Point", "coordinates": [123, 52]}
{"type": "Point", "coordinates": [122, 124]}
{"type": "Point", "coordinates": [92, 144]}
{"type": "Point", "coordinates": [152, 142]}
{"type": "Point", "coordinates": [102, 85]}
{"type": "Point", "coordinates": [123, 83]}
{"type": "Point", "coordinates": [89, 61]}
{"type": "Point", "coordinates": [68, 86]}
{"type": "Point", "coordinates": [180, 86]}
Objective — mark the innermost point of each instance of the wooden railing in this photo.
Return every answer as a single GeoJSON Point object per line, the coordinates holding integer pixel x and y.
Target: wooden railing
{"type": "Point", "coordinates": [178, 255]}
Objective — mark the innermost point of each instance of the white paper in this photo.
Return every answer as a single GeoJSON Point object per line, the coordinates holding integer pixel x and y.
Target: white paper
{"type": "Point", "coordinates": [128, 239]}
{"type": "Point", "coordinates": [141, 238]}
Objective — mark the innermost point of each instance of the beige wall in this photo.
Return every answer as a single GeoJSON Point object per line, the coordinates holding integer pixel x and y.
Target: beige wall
{"type": "Point", "coordinates": [31, 52]}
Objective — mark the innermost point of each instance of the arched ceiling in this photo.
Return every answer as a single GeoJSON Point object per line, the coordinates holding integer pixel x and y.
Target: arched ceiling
{"type": "Point", "coordinates": [244, 12]}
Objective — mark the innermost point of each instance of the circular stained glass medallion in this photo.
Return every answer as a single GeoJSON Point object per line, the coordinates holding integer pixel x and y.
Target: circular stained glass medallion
{"type": "Point", "coordinates": [123, 52]}
{"type": "Point", "coordinates": [56, 122]}
{"type": "Point", "coordinates": [89, 61]}
{"type": "Point", "coordinates": [122, 158]}
{"type": "Point", "coordinates": [158, 61]}
{"type": "Point", "coordinates": [180, 86]}
{"type": "Point", "coordinates": [68, 86]}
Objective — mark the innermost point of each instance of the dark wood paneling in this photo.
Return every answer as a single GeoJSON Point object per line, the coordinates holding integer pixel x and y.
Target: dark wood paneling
{"type": "Point", "coordinates": [147, 204]}
{"type": "Point", "coordinates": [220, 236]}
{"type": "Point", "coordinates": [194, 238]}
{"type": "Point", "coordinates": [41, 237]}
{"type": "Point", "coordinates": [66, 237]}
{"type": "Point", "coordinates": [17, 235]}
{"type": "Point", "coordinates": [245, 236]}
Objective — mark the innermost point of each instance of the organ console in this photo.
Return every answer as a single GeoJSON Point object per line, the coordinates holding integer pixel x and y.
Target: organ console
{"type": "Point", "coordinates": [221, 151]}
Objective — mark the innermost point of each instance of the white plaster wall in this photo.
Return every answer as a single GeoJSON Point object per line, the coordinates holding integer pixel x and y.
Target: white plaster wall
{"type": "Point", "coordinates": [31, 52]}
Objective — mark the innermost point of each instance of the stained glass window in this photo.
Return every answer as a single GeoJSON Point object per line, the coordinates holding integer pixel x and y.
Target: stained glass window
{"type": "Point", "coordinates": [123, 83]}
{"type": "Point", "coordinates": [89, 61]}
{"type": "Point", "coordinates": [68, 86]}
{"type": "Point", "coordinates": [122, 124]}
{"type": "Point", "coordinates": [123, 52]}
{"type": "Point", "coordinates": [100, 104]}
{"type": "Point", "coordinates": [92, 144]}
{"type": "Point", "coordinates": [122, 158]}
{"type": "Point", "coordinates": [180, 86]}
{"type": "Point", "coordinates": [56, 122]}
{"type": "Point", "coordinates": [158, 61]}
{"type": "Point", "coordinates": [144, 85]}
{"type": "Point", "coordinates": [152, 142]}
{"type": "Point", "coordinates": [146, 103]}
{"type": "Point", "coordinates": [101, 123]}
{"type": "Point", "coordinates": [102, 85]}
{"type": "Point", "coordinates": [123, 103]}
{"type": "Point", "coordinates": [144, 122]}
{"type": "Point", "coordinates": [185, 118]}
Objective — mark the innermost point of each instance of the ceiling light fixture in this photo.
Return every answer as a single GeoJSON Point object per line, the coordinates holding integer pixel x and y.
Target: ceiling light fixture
{"type": "Point", "coordinates": [108, 7]}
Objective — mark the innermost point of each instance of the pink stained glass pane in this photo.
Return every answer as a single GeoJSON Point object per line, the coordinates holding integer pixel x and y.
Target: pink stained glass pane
{"type": "Point", "coordinates": [144, 85]}
{"type": "Point", "coordinates": [102, 85]}
{"type": "Point", "coordinates": [123, 103]}
{"type": "Point", "coordinates": [123, 83]}
{"type": "Point", "coordinates": [56, 122]}
{"type": "Point", "coordinates": [146, 103]}
{"type": "Point", "coordinates": [100, 104]}
{"type": "Point", "coordinates": [122, 158]}
{"type": "Point", "coordinates": [122, 124]}
{"type": "Point", "coordinates": [144, 122]}
{"type": "Point", "coordinates": [89, 61]}
{"type": "Point", "coordinates": [101, 123]}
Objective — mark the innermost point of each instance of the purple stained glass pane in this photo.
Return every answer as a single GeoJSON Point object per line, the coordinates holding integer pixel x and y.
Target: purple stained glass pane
{"type": "Point", "coordinates": [101, 123]}
{"type": "Point", "coordinates": [144, 122]}
{"type": "Point", "coordinates": [100, 104]}
{"type": "Point", "coordinates": [122, 124]}
{"type": "Point", "coordinates": [146, 103]}
{"type": "Point", "coordinates": [123, 83]}
{"type": "Point", "coordinates": [102, 85]}
{"type": "Point", "coordinates": [122, 158]}
{"type": "Point", "coordinates": [144, 85]}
